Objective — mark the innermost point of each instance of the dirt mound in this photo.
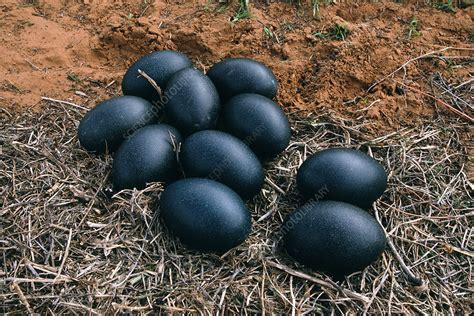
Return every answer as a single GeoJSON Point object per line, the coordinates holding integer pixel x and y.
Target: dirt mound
{"type": "Point", "coordinates": [54, 50]}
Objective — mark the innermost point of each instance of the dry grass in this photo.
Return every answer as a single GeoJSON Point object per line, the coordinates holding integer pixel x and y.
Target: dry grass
{"type": "Point", "coordinates": [70, 247]}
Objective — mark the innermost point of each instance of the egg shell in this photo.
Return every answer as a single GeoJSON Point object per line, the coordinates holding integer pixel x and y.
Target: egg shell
{"type": "Point", "coordinates": [235, 76]}
{"type": "Point", "coordinates": [160, 66]}
{"type": "Point", "coordinates": [147, 156]}
{"type": "Point", "coordinates": [347, 175]}
{"type": "Point", "coordinates": [222, 157]}
{"type": "Point", "coordinates": [333, 237]}
{"type": "Point", "coordinates": [205, 214]}
{"type": "Point", "coordinates": [191, 101]}
{"type": "Point", "coordinates": [258, 122]}
{"type": "Point", "coordinates": [108, 124]}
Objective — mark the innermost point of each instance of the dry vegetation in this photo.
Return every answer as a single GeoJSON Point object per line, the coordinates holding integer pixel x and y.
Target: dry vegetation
{"type": "Point", "coordinates": [69, 246]}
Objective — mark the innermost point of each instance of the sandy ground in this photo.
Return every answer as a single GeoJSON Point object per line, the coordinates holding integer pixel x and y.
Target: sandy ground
{"type": "Point", "coordinates": [54, 49]}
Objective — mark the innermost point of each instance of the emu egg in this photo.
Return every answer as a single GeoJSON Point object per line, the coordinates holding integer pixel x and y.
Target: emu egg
{"type": "Point", "coordinates": [191, 101]}
{"type": "Point", "coordinates": [345, 175]}
{"type": "Point", "coordinates": [159, 66]}
{"type": "Point", "coordinates": [224, 158]}
{"type": "Point", "coordinates": [333, 237]}
{"type": "Point", "coordinates": [110, 122]}
{"type": "Point", "coordinates": [242, 75]}
{"type": "Point", "coordinates": [258, 122]}
{"type": "Point", "coordinates": [205, 214]}
{"type": "Point", "coordinates": [147, 156]}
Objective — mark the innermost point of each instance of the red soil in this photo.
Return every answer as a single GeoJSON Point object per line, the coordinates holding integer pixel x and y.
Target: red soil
{"type": "Point", "coordinates": [53, 49]}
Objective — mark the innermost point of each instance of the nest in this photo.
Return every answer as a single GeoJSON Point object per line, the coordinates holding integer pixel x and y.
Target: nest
{"type": "Point", "coordinates": [70, 246]}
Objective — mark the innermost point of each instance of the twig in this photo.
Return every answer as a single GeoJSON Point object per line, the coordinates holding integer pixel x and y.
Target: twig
{"type": "Point", "coordinates": [66, 253]}
{"type": "Point", "coordinates": [318, 281]}
{"type": "Point", "coordinates": [109, 84]}
{"type": "Point", "coordinates": [65, 102]}
{"type": "Point", "coordinates": [463, 84]}
{"type": "Point", "coordinates": [459, 250]}
{"type": "Point", "coordinates": [374, 295]}
{"type": "Point", "coordinates": [411, 277]}
{"type": "Point", "coordinates": [272, 184]}
{"type": "Point", "coordinates": [80, 306]}
{"type": "Point", "coordinates": [62, 279]}
{"type": "Point", "coordinates": [266, 215]}
{"type": "Point", "coordinates": [89, 207]}
{"type": "Point", "coordinates": [33, 65]}
{"type": "Point", "coordinates": [445, 88]}
{"type": "Point", "coordinates": [449, 107]}
{"type": "Point", "coordinates": [151, 81]}
{"type": "Point", "coordinates": [177, 309]}
{"type": "Point", "coordinates": [130, 308]}
{"type": "Point", "coordinates": [14, 287]}
{"type": "Point", "coordinates": [369, 106]}
{"type": "Point", "coordinates": [426, 55]}
{"type": "Point", "coordinates": [144, 10]}
{"type": "Point", "coordinates": [5, 110]}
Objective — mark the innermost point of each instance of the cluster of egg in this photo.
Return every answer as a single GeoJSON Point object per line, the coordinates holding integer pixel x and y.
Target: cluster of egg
{"type": "Point", "coordinates": [332, 231]}
{"type": "Point", "coordinates": [216, 129]}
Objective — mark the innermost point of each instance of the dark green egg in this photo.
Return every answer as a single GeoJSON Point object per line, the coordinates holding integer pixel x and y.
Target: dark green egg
{"type": "Point", "coordinates": [160, 66]}
{"type": "Point", "coordinates": [258, 122]}
{"type": "Point", "coordinates": [346, 175]}
{"type": "Point", "coordinates": [235, 76]}
{"type": "Point", "coordinates": [333, 237]}
{"type": "Point", "coordinates": [205, 214]}
{"type": "Point", "coordinates": [148, 156]}
{"type": "Point", "coordinates": [191, 101]}
{"type": "Point", "coordinates": [108, 124]}
{"type": "Point", "coordinates": [222, 157]}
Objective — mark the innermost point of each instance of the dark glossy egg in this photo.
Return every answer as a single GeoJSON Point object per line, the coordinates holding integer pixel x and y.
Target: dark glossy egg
{"type": "Point", "coordinates": [191, 101]}
{"type": "Point", "coordinates": [344, 174]}
{"type": "Point", "coordinates": [148, 156]}
{"type": "Point", "coordinates": [258, 122]}
{"type": "Point", "coordinates": [205, 214]}
{"type": "Point", "coordinates": [242, 75]}
{"type": "Point", "coordinates": [160, 66]}
{"type": "Point", "coordinates": [108, 124]}
{"type": "Point", "coordinates": [333, 237]}
{"type": "Point", "coordinates": [224, 158]}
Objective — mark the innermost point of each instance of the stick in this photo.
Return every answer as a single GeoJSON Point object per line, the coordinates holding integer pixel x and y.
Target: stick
{"type": "Point", "coordinates": [38, 280]}
{"type": "Point", "coordinates": [449, 107]}
{"type": "Point", "coordinates": [14, 287]}
{"type": "Point", "coordinates": [272, 184]}
{"type": "Point", "coordinates": [66, 253]}
{"type": "Point", "coordinates": [412, 278]}
{"type": "Point", "coordinates": [33, 65]}
{"type": "Point", "coordinates": [459, 250]}
{"type": "Point", "coordinates": [463, 84]}
{"type": "Point", "coordinates": [319, 282]}
{"type": "Point", "coordinates": [80, 306]}
{"type": "Point", "coordinates": [429, 54]}
{"type": "Point", "coordinates": [151, 81]}
{"type": "Point", "coordinates": [65, 102]}
{"type": "Point", "coordinates": [130, 308]}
